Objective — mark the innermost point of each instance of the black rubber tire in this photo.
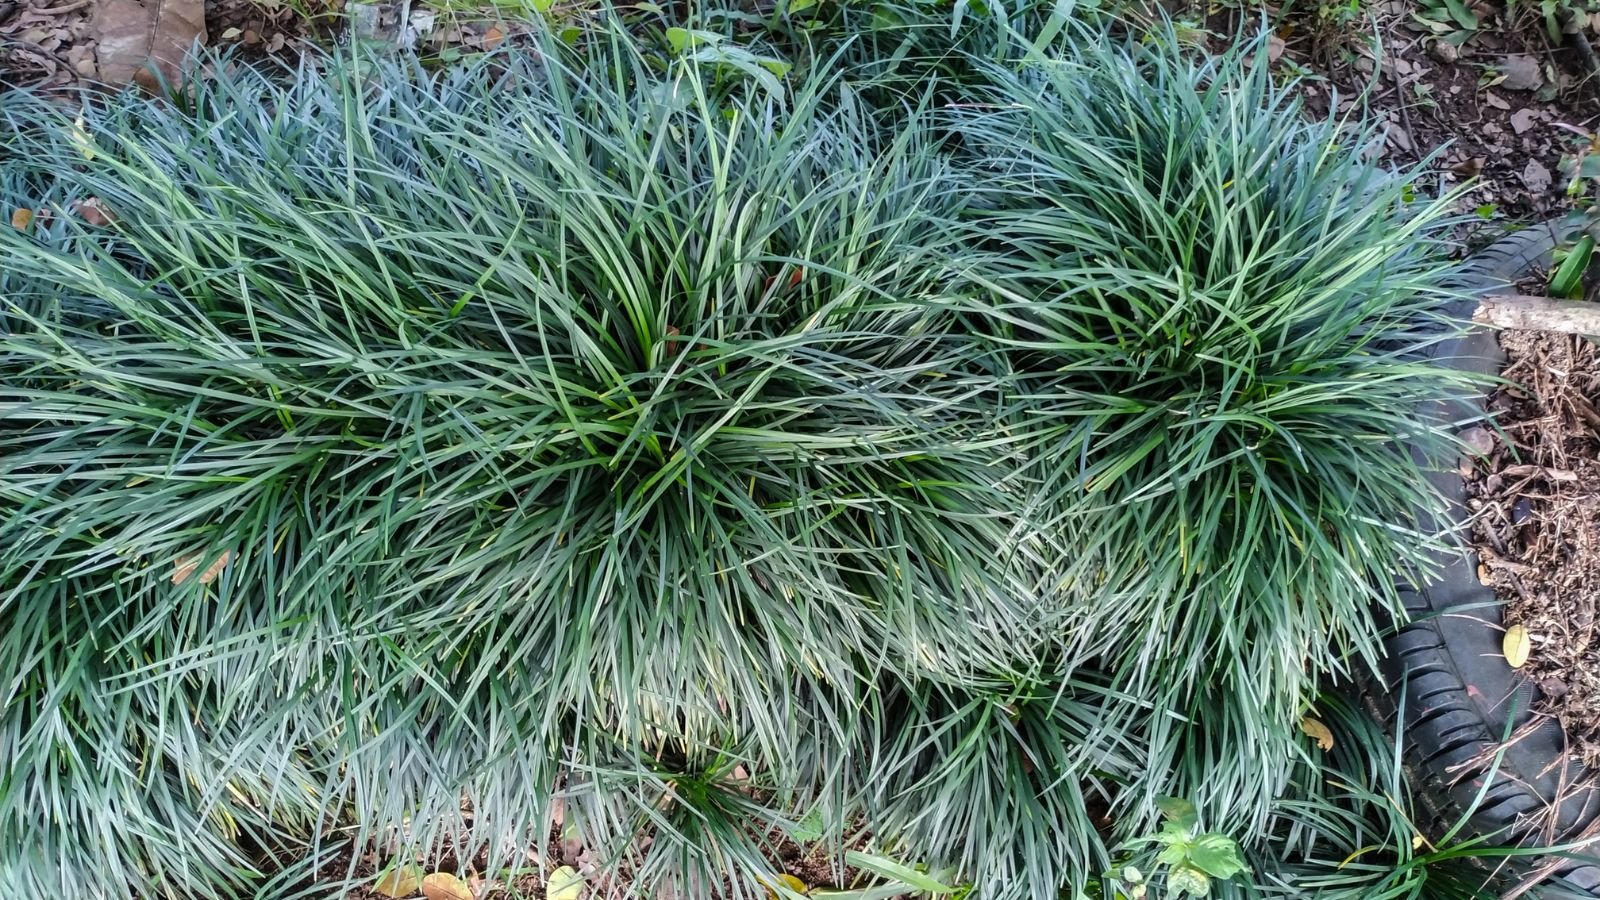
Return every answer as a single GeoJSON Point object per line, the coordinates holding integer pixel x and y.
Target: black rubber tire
{"type": "Point", "coordinates": [1458, 690]}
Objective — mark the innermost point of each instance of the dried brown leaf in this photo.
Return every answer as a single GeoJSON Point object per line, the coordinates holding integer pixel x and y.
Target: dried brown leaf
{"type": "Point", "coordinates": [445, 886]}
{"type": "Point", "coordinates": [95, 212]}
{"type": "Point", "coordinates": [185, 567]}
{"type": "Point", "coordinates": [399, 881]}
{"type": "Point", "coordinates": [134, 35]}
{"type": "Point", "coordinates": [21, 218]}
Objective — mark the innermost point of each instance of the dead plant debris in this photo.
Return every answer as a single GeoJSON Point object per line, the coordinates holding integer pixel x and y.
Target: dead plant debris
{"type": "Point", "coordinates": [1535, 498]}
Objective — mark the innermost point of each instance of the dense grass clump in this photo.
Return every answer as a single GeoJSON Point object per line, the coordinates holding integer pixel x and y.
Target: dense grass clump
{"type": "Point", "coordinates": [445, 423]}
{"type": "Point", "coordinates": [726, 463]}
{"type": "Point", "coordinates": [1213, 322]}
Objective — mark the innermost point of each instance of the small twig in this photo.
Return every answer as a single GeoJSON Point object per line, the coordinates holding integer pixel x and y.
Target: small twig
{"type": "Point", "coordinates": [1580, 42]}
{"type": "Point", "coordinates": [1412, 137]}
{"type": "Point", "coordinates": [58, 10]}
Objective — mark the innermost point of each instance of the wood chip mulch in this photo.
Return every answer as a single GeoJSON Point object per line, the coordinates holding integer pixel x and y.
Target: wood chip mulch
{"type": "Point", "coordinates": [1536, 504]}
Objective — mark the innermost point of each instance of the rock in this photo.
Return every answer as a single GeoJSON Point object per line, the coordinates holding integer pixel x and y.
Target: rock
{"type": "Point", "coordinates": [1523, 119]}
{"type": "Point", "coordinates": [1444, 51]}
{"type": "Point", "coordinates": [1553, 688]}
{"type": "Point", "coordinates": [1477, 439]}
{"type": "Point", "coordinates": [1521, 511]}
{"type": "Point", "coordinates": [1521, 73]}
{"type": "Point", "coordinates": [1536, 177]}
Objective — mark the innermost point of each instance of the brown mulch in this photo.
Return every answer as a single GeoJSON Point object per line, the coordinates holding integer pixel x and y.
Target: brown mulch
{"type": "Point", "coordinates": [1536, 505]}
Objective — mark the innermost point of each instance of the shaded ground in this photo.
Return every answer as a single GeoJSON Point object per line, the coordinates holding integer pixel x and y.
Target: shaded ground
{"type": "Point", "coordinates": [1499, 110]}
{"type": "Point", "coordinates": [812, 867]}
{"type": "Point", "coordinates": [61, 44]}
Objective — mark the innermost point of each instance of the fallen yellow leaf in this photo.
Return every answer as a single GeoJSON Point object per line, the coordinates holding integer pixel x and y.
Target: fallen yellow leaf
{"type": "Point", "coordinates": [80, 138]}
{"type": "Point", "coordinates": [399, 881]}
{"type": "Point", "coordinates": [564, 884]}
{"type": "Point", "coordinates": [21, 218]}
{"type": "Point", "coordinates": [445, 886]}
{"type": "Point", "coordinates": [1320, 732]}
{"type": "Point", "coordinates": [1517, 645]}
{"type": "Point", "coordinates": [788, 881]}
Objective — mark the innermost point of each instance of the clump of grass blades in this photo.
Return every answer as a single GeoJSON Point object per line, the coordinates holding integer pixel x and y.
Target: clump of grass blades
{"type": "Point", "coordinates": [1352, 827]}
{"type": "Point", "coordinates": [1212, 320]}
{"type": "Point", "coordinates": [607, 432]}
{"type": "Point", "coordinates": [1009, 784]}
{"type": "Point", "coordinates": [527, 412]}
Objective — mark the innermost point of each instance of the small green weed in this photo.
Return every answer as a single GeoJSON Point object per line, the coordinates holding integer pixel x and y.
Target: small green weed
{"type": "Point", "coordinates": [1571, 271]}
{"type": "Point", "coordinates": [1187, 862]}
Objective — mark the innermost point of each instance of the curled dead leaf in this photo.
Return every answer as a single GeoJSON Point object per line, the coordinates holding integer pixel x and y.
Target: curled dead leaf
{"type": "Point", "coordinates": [1317, 731]}
{"type": "Point", "coordinates": [81, 139]}
{"type": "Point", "coordinates": [445, 886]}
{"type": "Point", "coordinates": [21, 218]}
{"type": "Point", "coordinates": [186, 566]}
{"type": "Point", "coordinates": [95, 212]}
{"type": "Point", "coordinates": [1517, 645]}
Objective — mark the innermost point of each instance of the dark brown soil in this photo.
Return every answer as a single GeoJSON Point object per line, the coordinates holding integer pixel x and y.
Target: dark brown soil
{"type": "Point", "coordinates": [1536, 505]}
{"type": "Point", "coordinates": [1498, 112]}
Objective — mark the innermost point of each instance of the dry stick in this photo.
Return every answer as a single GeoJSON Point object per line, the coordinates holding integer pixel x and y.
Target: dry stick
{"type": "Point", "coordinates": [1580, 42]}
{"type": "Point", "coordinates": [1525, 313]}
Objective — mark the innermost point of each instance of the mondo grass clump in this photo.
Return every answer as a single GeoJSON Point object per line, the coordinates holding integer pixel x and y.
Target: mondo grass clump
{"type": "Point", "coordinates": [1213, 320]}
{"type": "Point", "coordinates": [592, 443]}
{"type": "Point", "coordinates": [397, 436]}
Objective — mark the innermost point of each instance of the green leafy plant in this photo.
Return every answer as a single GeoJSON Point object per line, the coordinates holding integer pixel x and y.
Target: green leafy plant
{"type": "Point", "coordinates": [1447, 20]}
{"type": "Point", "coordinates": [1572, 262]}
{"type": "Point", "coordinates": [1187, 861]}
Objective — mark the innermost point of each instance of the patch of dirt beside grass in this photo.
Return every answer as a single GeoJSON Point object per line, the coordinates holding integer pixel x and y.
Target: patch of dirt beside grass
{"type": "Point", "coordinates": [1498, 112]}
{"type": "Point", "coordinates": [1536, 504]}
